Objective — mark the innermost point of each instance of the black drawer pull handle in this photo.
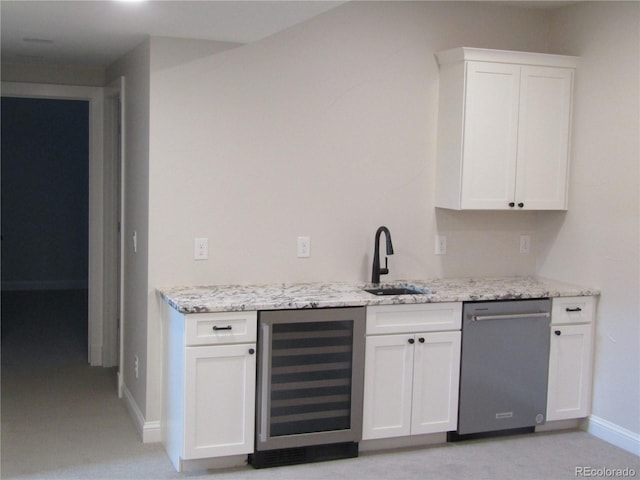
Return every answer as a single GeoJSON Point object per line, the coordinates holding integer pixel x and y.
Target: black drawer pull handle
{"type": "Point", "coordinates": [577, 309]}
{"type": "Point", "coordinates": [216, 328]}
{"type": "Point", "coordinates": [421, 340]}
{"type": "Point", "coordinates": [411, 341]}
{"type": "Point", "coordinates": [512, 204]}
{"type": "Point", "coordinates": [521, 204]}
{"type": "Point", "coordinates": [558, 332]}
{"type": "Point", "coordinates": [251, 351]}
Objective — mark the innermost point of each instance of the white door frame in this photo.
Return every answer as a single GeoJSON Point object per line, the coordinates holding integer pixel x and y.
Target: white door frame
{"type": "Point", "coordinates": [114, 158]}
{"type": "Point", "coordinates": [94, 95]}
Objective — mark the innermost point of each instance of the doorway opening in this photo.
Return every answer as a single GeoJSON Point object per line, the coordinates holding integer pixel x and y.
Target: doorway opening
{"type": "Point", "coordinates": [45, 226]}
{"type": "Point", "coordinates": [102, 346]}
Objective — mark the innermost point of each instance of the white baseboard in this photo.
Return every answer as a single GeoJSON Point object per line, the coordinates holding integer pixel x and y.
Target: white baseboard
{"type": "Point", "coordinates": [149, 431]}
{"type": "Point", "coordinates": [120, 383]}
{"type": "Point", "coordinates": [614, 434]}
{"type": "Point", "coordinates": [95, 355]}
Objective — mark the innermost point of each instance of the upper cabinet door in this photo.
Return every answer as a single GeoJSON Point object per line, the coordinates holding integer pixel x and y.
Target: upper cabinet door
{"type": "Point", "coordinates": [490, 135]}
{"type": "Point", "coordinates": [543, 137]}
{"type": "Point", "coordinates": [504, 121]}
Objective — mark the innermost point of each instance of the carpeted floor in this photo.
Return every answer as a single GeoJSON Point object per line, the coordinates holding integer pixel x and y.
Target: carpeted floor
{"type": "Point", "coordinates": [62, 419]}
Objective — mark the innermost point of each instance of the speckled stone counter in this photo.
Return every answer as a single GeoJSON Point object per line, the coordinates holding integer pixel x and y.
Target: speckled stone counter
{"type": "Point", "coordinates": [221, 298]}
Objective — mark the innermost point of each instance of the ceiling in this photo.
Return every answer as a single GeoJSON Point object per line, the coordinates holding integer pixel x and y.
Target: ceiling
{"type": "Point", "coordinates": [95, 33]}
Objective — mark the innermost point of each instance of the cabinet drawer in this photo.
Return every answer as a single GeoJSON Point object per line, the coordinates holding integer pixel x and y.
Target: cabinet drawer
{"type": "Point", "coordinates": [568, 310]}
{"type": "Point", "coordinates": [224, 327]}
{"type": "Point", "coordinates": [426, 317]}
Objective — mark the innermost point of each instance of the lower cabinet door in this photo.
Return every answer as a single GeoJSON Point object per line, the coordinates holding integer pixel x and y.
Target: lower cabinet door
{"type": "Point", "coordinates": [569, 390]}
{"type": "Point", "coordinates": [219, 400]}
{"type": "Point", "coordinates": [436, 375]}
{"type": "Point", "coordinates": [388, 377]}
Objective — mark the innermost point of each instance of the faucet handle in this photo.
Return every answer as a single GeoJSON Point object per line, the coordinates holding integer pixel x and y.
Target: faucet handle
{"type": "Point", "coordinates": [385, 270]}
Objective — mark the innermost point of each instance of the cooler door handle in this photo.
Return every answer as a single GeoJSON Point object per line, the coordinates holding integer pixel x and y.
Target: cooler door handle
{"type": "Point", "coordinates": [265, 345]}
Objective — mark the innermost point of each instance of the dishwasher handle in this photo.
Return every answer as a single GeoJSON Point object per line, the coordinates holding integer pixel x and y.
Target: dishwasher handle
{"type": "Point", "coordinates": [510, 316]}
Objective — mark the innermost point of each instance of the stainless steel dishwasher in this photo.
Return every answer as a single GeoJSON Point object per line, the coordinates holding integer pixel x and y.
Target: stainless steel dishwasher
{"type": "Point", "coordinates": [504, 367]}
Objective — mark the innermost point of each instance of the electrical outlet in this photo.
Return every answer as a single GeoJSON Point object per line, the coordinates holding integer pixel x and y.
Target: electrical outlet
{"type": "Point", "coordinates": [200, 248]}
{"type": "Point", "coordinates": [304, 247]}
{"type": "Point", "coordinates": [135, 365]}
{"type": "Point", "coordinates": [441, 245]}
{"type": "Point", "coordinates": [525, 244]}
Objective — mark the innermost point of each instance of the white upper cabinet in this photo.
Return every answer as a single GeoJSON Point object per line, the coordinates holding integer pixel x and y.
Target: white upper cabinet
{"type": "Point", "coordinates": [503, 130]}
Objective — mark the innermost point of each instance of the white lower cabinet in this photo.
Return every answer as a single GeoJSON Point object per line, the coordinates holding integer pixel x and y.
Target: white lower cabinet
{"type": "Point", "coordinates": [220, 388]}
{"type": "Point", "coordinates": [209, 376]}
{"type": "Point", "coordinates": [570, 358]}
{"type": "Point", "coordinates": [411, 379]}
{"type": "Point", "coordinates": [388, 386]}
{"type": "Point", "coordinates": [436, 373]}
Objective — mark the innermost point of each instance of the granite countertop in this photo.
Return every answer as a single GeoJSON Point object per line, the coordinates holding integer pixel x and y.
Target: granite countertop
{"type": "Point", "coordinates": [221, 298]}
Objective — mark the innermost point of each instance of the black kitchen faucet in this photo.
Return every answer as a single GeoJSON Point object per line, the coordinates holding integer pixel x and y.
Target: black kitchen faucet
{"type": "Point", "coordinates": [376, 271]}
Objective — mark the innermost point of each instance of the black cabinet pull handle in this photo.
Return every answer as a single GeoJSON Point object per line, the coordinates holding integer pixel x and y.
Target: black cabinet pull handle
{"type": "Point", "coordinates": [411, 341]}
{"type": "Point", "coordinates": [512, 204]}
{"type": "Point", "coordinates": [521, 204]}
{"type": "Point", "coordinates": [421, 340]}
{"type": "Point", "coordinates": [577, 309]}
{"type": "Point", "coordinates": [216, 328]}
{"type": "Point", "coordinates": [558, 332]}
{"type": "Point", "coordinates": [251, 351]}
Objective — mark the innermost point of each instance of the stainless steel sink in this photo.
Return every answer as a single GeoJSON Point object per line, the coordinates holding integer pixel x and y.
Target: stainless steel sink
{"type": "Point", "coordinates": [396, 290]}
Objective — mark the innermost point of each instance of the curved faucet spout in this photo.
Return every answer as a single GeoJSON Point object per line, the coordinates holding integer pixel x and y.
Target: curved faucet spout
{"type": "Point", "coordinates": [376, 271]}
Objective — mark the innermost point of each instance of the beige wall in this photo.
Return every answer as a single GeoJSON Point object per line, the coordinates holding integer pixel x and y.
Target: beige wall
{"type": "Point", "coordinates": [135, 66]}
{"type": "Point", "coordinates": [326, 130]}
{"type": "Point", "coordinates": [169, 55]}
{"type": "Point", "coordinates": [53, 74]}
{"type": "Point", "coordinates": [597, 241]}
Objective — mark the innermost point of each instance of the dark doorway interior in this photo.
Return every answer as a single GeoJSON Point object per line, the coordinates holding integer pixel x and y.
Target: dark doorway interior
{"type": "Point", "coordinates": [45, 220]}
